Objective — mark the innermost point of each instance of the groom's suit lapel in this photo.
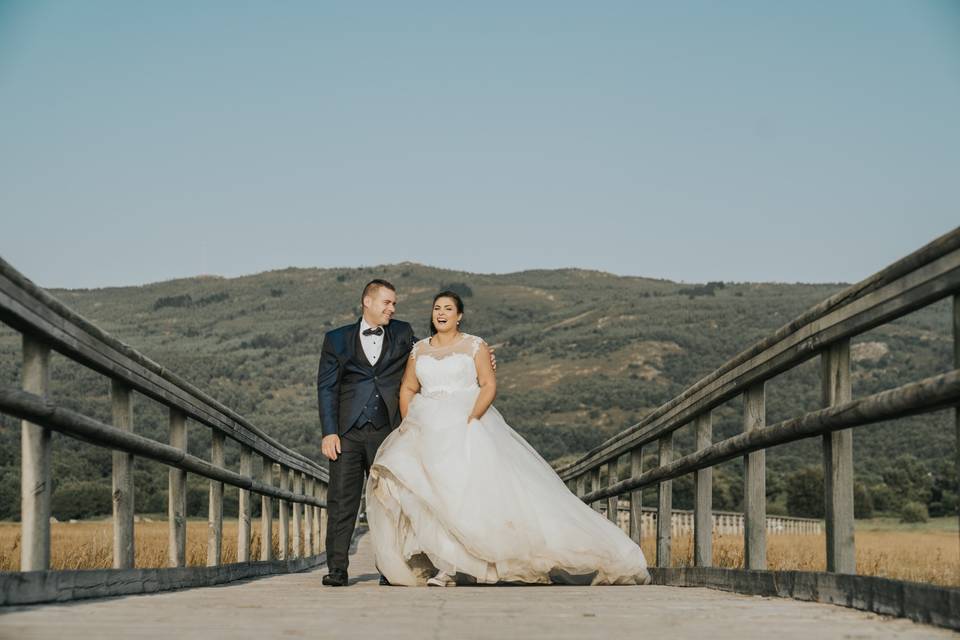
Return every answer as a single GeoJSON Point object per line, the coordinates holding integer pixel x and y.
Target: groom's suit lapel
{"type": "Point", "coordinates": [384, 349]}
{"type": "Point", "coordinates": [359, 355]}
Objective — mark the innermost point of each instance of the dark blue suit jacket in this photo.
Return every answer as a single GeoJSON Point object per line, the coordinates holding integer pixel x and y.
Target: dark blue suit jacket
{"type": "Point", "coordinates": [345, 378]}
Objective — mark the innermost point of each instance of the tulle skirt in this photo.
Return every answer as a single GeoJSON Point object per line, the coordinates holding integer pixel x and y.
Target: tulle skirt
{"type": "Point", "coordinates": [477, 501]}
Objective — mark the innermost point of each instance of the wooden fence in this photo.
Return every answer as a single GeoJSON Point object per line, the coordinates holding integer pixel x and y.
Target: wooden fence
{"type": "Point", "coordinates": [682, 522]}
{"type": "Point", "coordinates": [45, 324]}
{"type": "Point", "coordinates": [924, 277]}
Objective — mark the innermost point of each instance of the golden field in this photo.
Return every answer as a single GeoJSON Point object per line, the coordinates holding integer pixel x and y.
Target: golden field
{"type": "Point", "coordinates": [89, 544]}
{"type": "Point", "coordinates": [919, 553]}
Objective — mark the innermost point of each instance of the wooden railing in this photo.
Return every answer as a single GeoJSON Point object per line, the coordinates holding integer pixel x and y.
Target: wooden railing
{"type": "Point", "coordinates": [723, 522]}
{"type": "Point", "coordinates": [45, 324]}
{"type": "Point", "coordinates": [918, 280]}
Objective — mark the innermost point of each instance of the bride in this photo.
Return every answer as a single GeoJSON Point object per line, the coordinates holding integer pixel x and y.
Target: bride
{"type": "Point", "coordinates": [455, 495]}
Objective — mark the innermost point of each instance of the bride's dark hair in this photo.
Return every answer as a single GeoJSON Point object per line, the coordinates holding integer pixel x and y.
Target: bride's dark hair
{"type": "Point", "coordinates": [444, 294]}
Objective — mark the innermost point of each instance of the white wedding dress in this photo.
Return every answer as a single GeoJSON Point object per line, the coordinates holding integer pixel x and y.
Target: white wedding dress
{"type": "Point", "coordinates": [477, 500]}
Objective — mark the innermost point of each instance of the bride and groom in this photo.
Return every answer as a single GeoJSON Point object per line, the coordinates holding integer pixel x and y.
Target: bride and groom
{"type": "Point", "coordinates": [454, 494]}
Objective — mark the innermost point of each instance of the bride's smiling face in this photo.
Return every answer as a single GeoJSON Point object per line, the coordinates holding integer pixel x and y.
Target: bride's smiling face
{"type": "Point", "coordinates": [445, 315]}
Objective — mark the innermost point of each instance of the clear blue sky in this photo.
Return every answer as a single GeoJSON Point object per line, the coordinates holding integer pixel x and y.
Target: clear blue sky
{"type": "Point", "coordinates": [801, 141]}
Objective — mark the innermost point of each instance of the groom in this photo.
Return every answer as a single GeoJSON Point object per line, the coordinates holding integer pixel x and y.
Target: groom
{"type": "Point", "coordinates": [358, 390]}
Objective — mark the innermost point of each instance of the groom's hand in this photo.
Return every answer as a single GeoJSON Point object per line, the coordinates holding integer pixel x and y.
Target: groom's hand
{"type": "Point", "coordinates": [330, 446]}
{"type": "Point", "coordinates": [493, 358]}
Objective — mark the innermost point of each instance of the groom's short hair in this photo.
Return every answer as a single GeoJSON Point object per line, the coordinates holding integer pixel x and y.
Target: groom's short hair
{"type": "Point", "coordinates": [373, 286]}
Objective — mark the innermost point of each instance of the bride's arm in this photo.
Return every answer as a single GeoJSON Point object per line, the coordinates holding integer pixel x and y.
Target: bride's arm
{"type": "Point", "coordinates": [487, 380]}
{"type": "Point", "coordinates": [409, 386]}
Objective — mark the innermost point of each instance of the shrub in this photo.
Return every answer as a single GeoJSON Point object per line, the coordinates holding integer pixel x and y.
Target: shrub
{"type": "Point", "coordinates": [913, 512]}
{"type": "Point", "coordinates": [805, 493]}
{"type": "Point", "coordinates": [862, 502]}
{"type": "Point", "coordinates": [81, 499]}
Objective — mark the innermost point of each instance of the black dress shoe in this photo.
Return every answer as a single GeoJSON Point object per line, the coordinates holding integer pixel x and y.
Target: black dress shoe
{"type": "Point", "coordinates": [336, 578]}
{"type": "Point", "coordinates": [383, 581]}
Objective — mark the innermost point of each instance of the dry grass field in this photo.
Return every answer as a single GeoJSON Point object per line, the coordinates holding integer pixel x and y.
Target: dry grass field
{"type": "Point", "coordinates": [920, 553]}
{"type": "Point", "coordinates": [89, 544]}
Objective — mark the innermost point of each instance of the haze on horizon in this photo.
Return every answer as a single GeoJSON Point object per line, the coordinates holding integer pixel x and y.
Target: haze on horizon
{"type": "Point", "coordinates": [744, 141]}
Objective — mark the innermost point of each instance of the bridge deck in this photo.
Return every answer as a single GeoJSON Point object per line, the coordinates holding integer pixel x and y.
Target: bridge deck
{"type": "Point", "coordinates": [297, 605]}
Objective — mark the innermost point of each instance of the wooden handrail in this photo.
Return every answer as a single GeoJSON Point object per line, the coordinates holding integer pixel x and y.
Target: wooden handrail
{"type": "Point", "coordinates": [922, 278]}
{"type": "Point", "coordinates": [46, 323]}
{"type": "Point", "coordinates": [918, 280]}
{"type": "Point", "coordinates": [31, 310]}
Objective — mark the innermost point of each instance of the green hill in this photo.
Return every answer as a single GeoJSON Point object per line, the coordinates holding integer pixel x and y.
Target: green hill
{"type": "Point", "coordinates": [582, 355]}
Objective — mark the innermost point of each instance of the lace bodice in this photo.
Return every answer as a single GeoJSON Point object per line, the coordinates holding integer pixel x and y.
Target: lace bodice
{"type": "Point", "coordinates": [445, 369]}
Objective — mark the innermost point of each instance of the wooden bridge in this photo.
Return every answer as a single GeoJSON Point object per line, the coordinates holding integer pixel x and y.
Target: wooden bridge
{"type": "Point", "coordinates": [287, 598]}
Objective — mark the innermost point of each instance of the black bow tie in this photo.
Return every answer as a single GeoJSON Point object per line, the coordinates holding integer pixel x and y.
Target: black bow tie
{"type": "Point", "coordinates": [373, 332]}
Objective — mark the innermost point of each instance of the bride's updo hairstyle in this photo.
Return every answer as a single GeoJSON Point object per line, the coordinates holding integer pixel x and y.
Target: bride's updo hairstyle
{"type": "Point", "coordinates": [444, 294]}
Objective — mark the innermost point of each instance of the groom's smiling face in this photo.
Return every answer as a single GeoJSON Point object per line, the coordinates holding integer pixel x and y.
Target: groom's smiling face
{"type": "Point", "coordinates": [379, 306]}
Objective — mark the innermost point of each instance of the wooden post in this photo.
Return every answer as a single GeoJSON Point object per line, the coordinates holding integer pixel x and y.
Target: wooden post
{"type": "Point", "coordinates": [177, 494]}
{"type": "Point", "coordinates": [956, 410]}
{"type": "Point", "coordinates": [703, 497]}
{"type": "Point", "coordinates": [613, 502]}
{"type": "Point", "coordinates": [297, 516]}
{"type": "Point", "coordinates": [636, 496]}
{"type": "Point", "coordinates": [838, 462]}
{"type": "Point", "coordinates": [323, 518]}
{"type": "Point", "coordinates": [36, 449]}
{"type": "Point", "coordinates": [122, 401]}
{"type": "Point", "coordinates": [755, 482]}
{"type": "Point", "coordinates": [315, 492]}
{"type": "Point", "coordinates": [215, 508]}
{"type": "Point", "coordinates": [581, 485]}
{"type": "Point", "coordinates": [665, 503]}
{"type": "Point", "coordinates": [266, 513]}
{"type": "Point", "coordinates": [243, 528]}
{"type": "Point", "coordinates": [595, 485]}
{"type": "Point", "coordinates": [284, 518]}
{"type": "Point", "coordinates": [307, 518]}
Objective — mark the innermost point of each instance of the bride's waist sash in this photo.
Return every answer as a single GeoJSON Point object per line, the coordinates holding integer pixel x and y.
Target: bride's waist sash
{"type": "Point", "coordinates": [449, 392]}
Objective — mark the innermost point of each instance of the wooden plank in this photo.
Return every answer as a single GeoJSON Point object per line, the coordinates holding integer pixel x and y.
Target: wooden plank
{"type": "Point", "coordinates": [215, 506]}
{"type": "Point", "coordinates": [322, 531]}
{"type": "Point", "coordinates": [636, 497]}
{"type": "Point", "coordinates": [755, 483]}
{"type": "Point", "coordinates": [581, 485]}
{"type": "Point", "coordinates": [924, 603]}
{"type": "Point", "coordinates": [930, 394]}
{"type": "Point", "coordinates": [314, 519]}
{"type": "Point", "coordinates": [296, 546]}
{"type": "Point", "coordinates": [34, 587]}
{"type": "Point", "coordinates": [32, 310]}
{"type": "Point", "coordinates": [308, 519]}
{"type": "Point", "coordinates": [123, 531]}
{"type": "Point", "coordinates": [245, 506]}
{"type": "Point", "coordinates": [284, 519]}
{"type": "Point", "coordinates": [41, 411]}
{"type": "Point", "coordinates": [956, 409]}
{"type": "Point", "coordinates": [35, 470]}
{"type": "Point", "coordinates": [664, 503]}
{"type": "Point", "coordinates": [613, 502]}
{"type": "Point", "coordinates": [177, 494]}
{"type": "Point", "coordinates": [838, 462]}
{"type": "Point", "coordinates": [266, 513]}
{"type": "Point", "coordinates": [703, 497]}
{"type": "Point", "coordinates": [793, 344]}
{"type": "Point", "coordinates": [595, 485]}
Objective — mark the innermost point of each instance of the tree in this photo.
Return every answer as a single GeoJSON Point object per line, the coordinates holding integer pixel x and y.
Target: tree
{"type": "Point", "coordinates": [805, 493]}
